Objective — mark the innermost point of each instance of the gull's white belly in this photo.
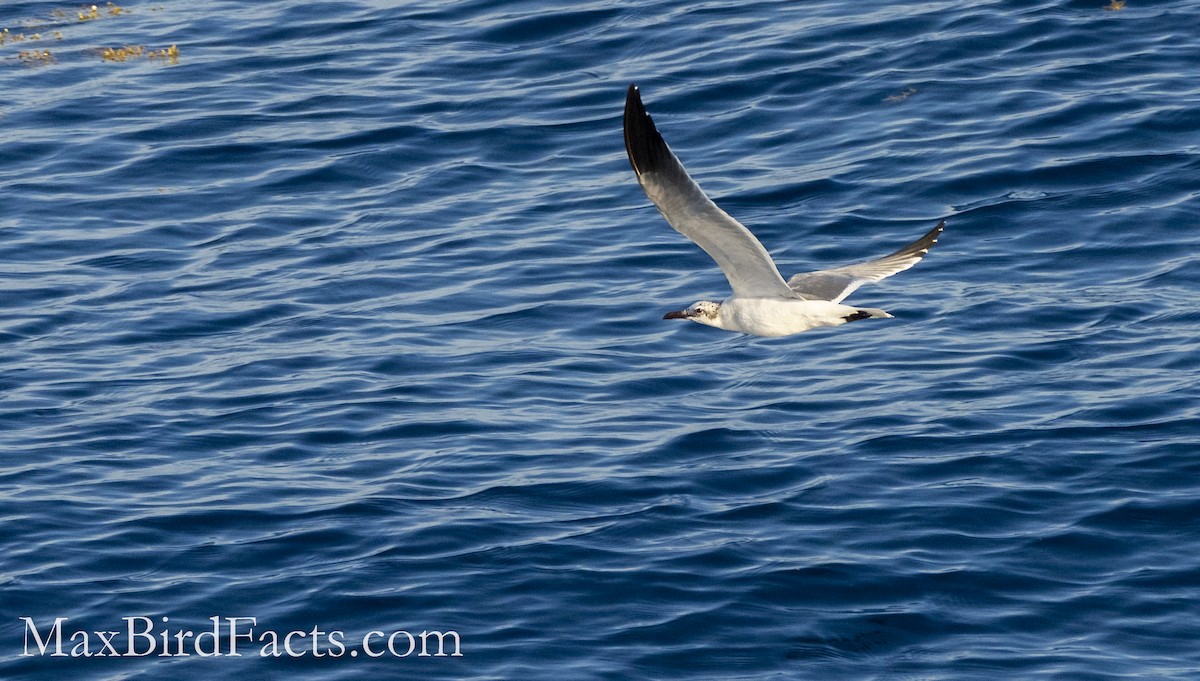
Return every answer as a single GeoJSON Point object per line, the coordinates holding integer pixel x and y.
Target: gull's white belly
{"type": "Point", "coordinates": [779, 316]}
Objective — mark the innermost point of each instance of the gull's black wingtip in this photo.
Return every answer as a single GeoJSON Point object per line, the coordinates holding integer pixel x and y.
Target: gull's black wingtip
{"type": "Point", "coordinates": [645, 146]}
{"type": "Point", "coordinates": [927, 241]}
{"type": "Point", "coordinates": [936, 232]}
{"type": "Point", "coordinates": [921, 246]}
{"type": "Point", "coordinates": [633, 101]}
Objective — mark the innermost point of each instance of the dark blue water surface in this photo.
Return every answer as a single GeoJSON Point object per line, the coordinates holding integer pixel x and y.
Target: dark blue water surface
{"type": "Point", "coordinates": [349, 319]}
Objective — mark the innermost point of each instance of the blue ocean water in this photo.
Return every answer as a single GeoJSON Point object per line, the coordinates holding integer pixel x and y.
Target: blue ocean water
{"type": "Point", "coordinates": [347, 318]}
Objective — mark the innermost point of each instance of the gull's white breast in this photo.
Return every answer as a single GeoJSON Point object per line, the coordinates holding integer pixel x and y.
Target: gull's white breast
{"type": "Point", "coordinates": [779, 316]}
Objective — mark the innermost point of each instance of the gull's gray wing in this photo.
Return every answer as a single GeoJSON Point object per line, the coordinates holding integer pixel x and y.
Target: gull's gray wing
{"type": "Point", "coordinates": [839, 282]}
{"type": "Point", "coordinates": [746, 264]}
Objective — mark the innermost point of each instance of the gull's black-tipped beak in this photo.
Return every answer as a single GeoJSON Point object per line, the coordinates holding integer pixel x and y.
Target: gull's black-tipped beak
{"type": "Point", "coordinates": [678, 314]}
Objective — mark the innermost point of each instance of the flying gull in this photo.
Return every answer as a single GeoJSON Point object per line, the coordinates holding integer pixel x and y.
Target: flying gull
{"type": "Point", "coordinates": [763, 304]}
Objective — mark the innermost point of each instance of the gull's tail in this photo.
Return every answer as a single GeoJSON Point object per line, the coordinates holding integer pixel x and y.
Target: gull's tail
{"type": "Point", "coordinates": [866, 313]}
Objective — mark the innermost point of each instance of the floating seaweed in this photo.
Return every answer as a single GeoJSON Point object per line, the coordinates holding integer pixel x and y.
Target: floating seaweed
{"type": "Point", "coordinates": [35, 57]}
{"type": "Point", "coordinates": [38, 29]}
{"type": "Point", "coordinates": [122, 53]}
{"type": "Point", "coordinates": [94, 12]}
{"type": "Point", "coordinates": [169, 55]}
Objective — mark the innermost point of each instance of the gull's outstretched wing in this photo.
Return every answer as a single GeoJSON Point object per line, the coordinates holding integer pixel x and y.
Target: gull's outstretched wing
{"type": "Point", "coordinates": [746, 264]}
{"type": "Point", "coordinates": [839, 282]}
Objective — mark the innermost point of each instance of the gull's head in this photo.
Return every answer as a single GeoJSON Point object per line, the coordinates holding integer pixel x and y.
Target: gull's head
{"type": "Point", "coordinates": [704, 312]}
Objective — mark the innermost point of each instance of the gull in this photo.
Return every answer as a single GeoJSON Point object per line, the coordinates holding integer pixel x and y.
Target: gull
{"type": "Point", "coordinates": [762, 304]}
